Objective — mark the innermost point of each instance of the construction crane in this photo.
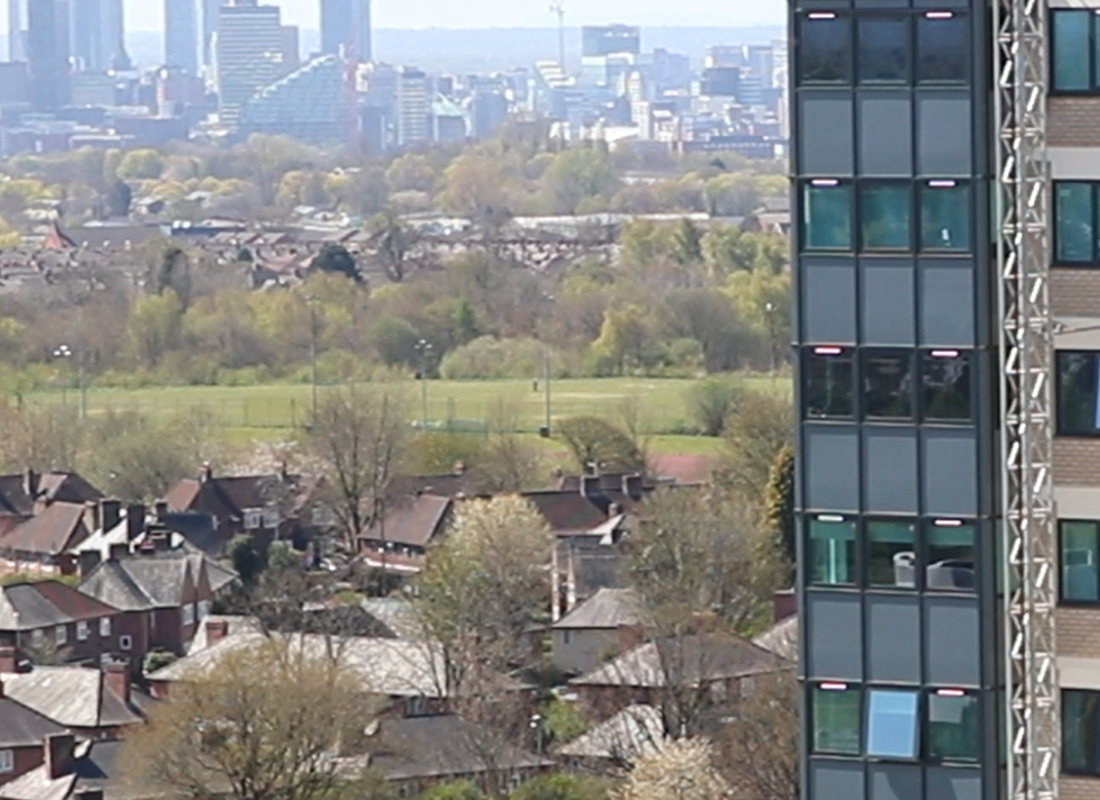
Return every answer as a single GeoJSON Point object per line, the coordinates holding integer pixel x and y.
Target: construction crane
{"type": "Point", "coordinates": [558, 7]}
{"type": "Point", "coordinates": [1027, 432]}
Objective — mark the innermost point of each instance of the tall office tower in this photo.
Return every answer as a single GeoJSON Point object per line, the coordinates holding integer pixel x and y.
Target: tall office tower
{"type": "Point", "coordinates": [181, 35]}
{"type": "Point", "coordinates": [413, 107]}
{"type": "Point", "coordinates": [946, 157]}
{"type": "Point", "coordinates": [606, 40]}
{"type": "Point", "coordinates": [249, 54]}
{"type": "Point", "coordinates": [209, 30]}
{"type": "Point", "coordinates": [48, 53]}
{"type": "Point", "coordinates": [345, 22]}
{"type": "Point", "coordinates": [310, 104]}
{"type": "Point", "coordinates": [291, 49]}
{"type": "Point", "coordinates": [17, 30]}
{"type": "Point", "coordinates": [96, 34]}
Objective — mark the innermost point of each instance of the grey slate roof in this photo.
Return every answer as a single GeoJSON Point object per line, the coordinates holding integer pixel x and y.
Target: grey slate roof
{"type": "Point", "coordinates": [22, 726]}
{"type": "Point", "coordinates": [145, 582]}
{"type": "Point", "coordinates": [634, 732]}
{"type": "Point", "coordinates": [42, 604]}
{"type": "Point", "coordinates": [75, 697]}
{"type": "Point", "coordinates": [96, 765]}
{"type": "Point", "coordinates": [607, 608]}
{"type": "Point", "coordinates": [781, 638]}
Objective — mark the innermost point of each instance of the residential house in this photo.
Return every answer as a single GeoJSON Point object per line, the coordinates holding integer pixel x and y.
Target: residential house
{"type": "Point", "coordinates": [21, 734]}
{"type": "Point", "coordinates": [92, 703]}
{"type": "Point", "coordinates": [278, 507]}
{"type": "Point", "coordinates": [42, 543]}
{"type": "Point", "coordinates": [404, 531]}
{"type": "Point", "coordinates": [604, 625]}
{"type": "Point", "coordinates": [614, 744]}
{"type": "Point", "coordinates": [22, 496]}
{"type": "Point", "coordinates": [81, 770]}
{"type": "Point", "coordinates": [52, 619]}
{"type": "Point", "coordinates": [163, 596]}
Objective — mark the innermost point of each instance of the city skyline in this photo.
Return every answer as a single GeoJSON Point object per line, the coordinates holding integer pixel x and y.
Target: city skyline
{"type": "Point", "coordinates": [143, 16]}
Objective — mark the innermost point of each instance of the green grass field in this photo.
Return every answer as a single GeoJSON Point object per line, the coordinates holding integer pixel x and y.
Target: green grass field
{"type": "Point", "coordinates": [276, 410]}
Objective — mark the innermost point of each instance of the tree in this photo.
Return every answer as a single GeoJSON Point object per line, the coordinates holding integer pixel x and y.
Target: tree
{"type": "Point", "coordinates": [395, 341]}
{"type": "Point", "coordinates": [144, 164]}
{"type": "Point", "coordinates": [336, 259]}
{"type": "Point", "coordinates": [779, 504]}
{"type": "Point", "coordinates": [687, 243]}
{"type": "Point", "coordinates": [562, 787]}
{"type": "Point", "coordinates": [577, 174]}
{"type": "Point", "coordinates": [155, 327]}
{"type": "Point", "coordinates": [681, 770]}
{"type": "Point", "coordinates": [757, 745]}
{"type": "Point", "coordinates": [626, 339]}
{"type": "Point", "coordinates": [474, 187]}
{"type": "Point", "coordinates": [171, 269]}
{"type": "Point", "coordinates": [595, 442]}
{"type": "Point", "coordinates": [759, 427]}
{"type": "Point", "coordinates": [356, 439]}
{"type": "Point", "coordinates": [245, 558]}
{"type": "Point", "coordinates": [710, 401]}
{"type": "Point", "coordinates": [118, 199]}
{"type": "Point", "coordinates": [264, 725]}
{"type": "Point", "coordinates": [42, 438]}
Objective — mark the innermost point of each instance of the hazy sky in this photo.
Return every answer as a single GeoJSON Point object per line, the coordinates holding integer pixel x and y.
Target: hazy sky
{"type": "Point", "coordinates": [148, 14]}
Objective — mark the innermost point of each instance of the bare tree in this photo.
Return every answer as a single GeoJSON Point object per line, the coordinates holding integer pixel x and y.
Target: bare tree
{"type": "Point", "coordinates": [506, 463]}
{"type": "Point", "coordinates": [356, 438]}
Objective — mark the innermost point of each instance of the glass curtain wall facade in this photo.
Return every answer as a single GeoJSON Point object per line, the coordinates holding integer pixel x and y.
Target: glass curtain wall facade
{"type": "Point", "coordinates": [897, 478]}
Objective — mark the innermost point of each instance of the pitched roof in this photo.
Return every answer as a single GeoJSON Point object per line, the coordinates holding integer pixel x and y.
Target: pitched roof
{"type": "Point", "coordinates": [24, 727]}
{"type": "Point", "coordinates": [414, 521]}
{"type": "Point", "coordinates": [691, 660]}
{"type": "Point", "coordinates": [95, 765]}
{"type": "Point", "coordinates": [634, 732]}
{"type": "Point", "coordinates": [66, 487]}
{"type": "Point", "coordinates": [230, 496]}
{"type": "Point", "coordinates": [60, 527]}
{"type": "Point", "coordinates": [41, 604]}
{"type": "Point", "coordinates": [781, 638]}
{"type": "Point", "coordinates": [142, 582]}
{"type": "Point", "coordinates": [607, 608]}
{"type": "Point", "coordinates": [76, 697]}
{"type": "Point", "coordinates": [567, 512]}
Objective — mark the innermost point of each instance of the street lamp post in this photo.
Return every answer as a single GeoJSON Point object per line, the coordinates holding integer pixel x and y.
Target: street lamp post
{"type": "Point", "coordinates": [548, 373]}
{"type": "Point", "coordinates": [312, 357]}
{"type": "Point", "coordinates": [769, 310]}
{"type": "Point", "coordinates": [423, 347]}
{"type": "Point", "coordinates": [63, 351]}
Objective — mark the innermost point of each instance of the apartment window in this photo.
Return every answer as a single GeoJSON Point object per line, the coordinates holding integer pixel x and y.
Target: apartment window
{"type": "Point", "coordinates": [7, 761]}
{"type": "Point", "coordinates": [891, 554]}
{"type": "Point", "coordinates": [1073, 50]}
{"type": "Point", "coordinates": [946, 386]}
{"type": "Point", "coordinates": [949, 550]}
{"type": "Point", "coordinates": [1075, 223]}
{"type": "Point", "coordinates": [105, 628]}
{"type": "Point", "coordinates": [253, 518]}
{"type": "Point", "coordinates": [944, 216]}
{"type": "Point", "coordinates": [827, 215]}
{"type": "Point", "coordinates": [829, 383]}
{"type": "Point", "coordinates": [835, 716]}
{"type": "Point", "coordinates": [125, 642]}
{"type": "Point", "coordinates": [892, 723]}
{"type": "Point", "coordinates": [1079, 561]}
{"type": "Point", "coordinates": [953, 719]}
{"type": "Point", "coordinates": [887, 384]}
{"type": "Point", "coordinates": [824, 48]}
{"type": "Point", "coordinates": [1081, 732]}
{"type": "Point", "coordinates": [1078, 393]}
{"type": "Point", "coordinates": [60, 635]}
{"type": "Point", "coordinates": [882, 50]}
{"type": "Point", "coordinates": [884, 216]}
{"type": "Point", "coordinates": [832, 546]}
{"type": "Point", "coordinates": [943, 49]}
{"type": "Point", "coordinates": [82, 631]}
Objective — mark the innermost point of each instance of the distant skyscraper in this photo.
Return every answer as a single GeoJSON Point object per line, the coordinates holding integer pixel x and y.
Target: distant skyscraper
{"type": "Point", "coordinates": [309, 104]}
{"type": "Point", "coordinates": [48, 53]}
{"type": "Point", "coordinates": [291, 49]}
{"type": "Point", "coordinates": [606, 40]}
{"type": "Point", "coordinates": [343, 21]}
{"type": "Point", "coordinates": [413, 107]}
{"type": "Point", "coordinates": [17, 30]}
{"type": "Point", "coordinates": [181, 35]}
{"type": "Point", "coordinates": [209, 29]}
{"type": "Point", "coordinates": [249, 54]}
{"type": "Point", "coordinates": [97, 35]}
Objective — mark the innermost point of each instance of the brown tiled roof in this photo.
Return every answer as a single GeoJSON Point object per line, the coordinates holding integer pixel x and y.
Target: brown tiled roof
{"type": "Point", "coordinates": [229, 496]}
{"type": "Point", "coordinates": [26, 606]}
{"type": "Point", "coordinates": [23, 727]}
{"type": "Point", "coordinates": [567, 512]}
{"type": "Point", "coordinates": [66, 487]}
{"type": "Point", "coordinates": [413, 521]}
{"type": "Point", "coordinates": [60, 527]}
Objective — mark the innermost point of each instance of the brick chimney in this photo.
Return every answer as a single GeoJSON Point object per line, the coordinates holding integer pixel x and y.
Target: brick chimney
{"type": "Point", "coordinates": [216, 630]}
{"type": "Point", "coordinates": [207, 472]}
{"type": "Point", "coordinates": [30, 483]}
{"type": "Point", "coordinates": [110, 512]}
{"type": "Point", "coordinates": [784, 604]}
{"type": "Point", "coordinates": [116, 677]}
{"type": "Point", "coordinates": [135, 521]}
{"type": "Point", "coordinates": [160, 509]}
{"type": "Point", "coordinates": [9, 660]}
{"type": "Point", "coordinates": [59, 754]}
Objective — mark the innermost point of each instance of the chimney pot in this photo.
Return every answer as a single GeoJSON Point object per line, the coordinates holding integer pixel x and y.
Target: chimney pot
{"type": "Point", "coordinates": [216, 630]}
{"type": "Point", "coordinates": [110, 513]}
{"type": "Point", "coordinates": [30, 483]}
{"type": "Point", "coordinates": [116, 676]}
{"type": "Point", "coordinates": [9, 660]}
{"type": "Point", "coordinates": [135, 521]}
{"type": "Point", "coordinates": [207, 472]}
{"type": "Point", "coordinates": [160, 509]}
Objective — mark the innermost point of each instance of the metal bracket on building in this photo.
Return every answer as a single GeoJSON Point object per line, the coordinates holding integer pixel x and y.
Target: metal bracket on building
{"type": "Point", "coordinates": [1027, 366]}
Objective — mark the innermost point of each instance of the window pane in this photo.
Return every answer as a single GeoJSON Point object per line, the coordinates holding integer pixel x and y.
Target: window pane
{"type": "Point", "coordinates": [1074, 223]}
{"type": "Point", "coordinates": [836, 714]}
{"type": "Point", "coordinates": [892, 724]}
{"type": "Point", "coordinates": [827, 217]}
{"type": "Point", "coordinates": [950, 548]}
{"type": "Point", "coordinates": [832, 552]}
{"type": "Point", "coordinates": [824, 50]}
{"type": "Point", "coordinates": [829, 385]}
{"type": "Point", "coordinates": [1081, 732]}
{"type": "Point", "coordinates": [953, 726]}
{"type": "Point", "coordinates": [946, 386]}
{"type": "Point", "coordinates": [884, 217]}
{"type": "Point", "coordinates": [1077, 393]}
{"type": "Point", "coordinates": [887, 385]}
{"type": "Point", "coordinates": [891, 554]}
{"type": "Point", "coordinates": [883, 50]}
{"type": "Point", "coordinates": [1079, 561]}
{"type": "Point", "coordinates": [1070, 54]}
{"type": "Point", "coordinates": [943, 51]}
{"type": "Point", "coordinates": [945, 217]}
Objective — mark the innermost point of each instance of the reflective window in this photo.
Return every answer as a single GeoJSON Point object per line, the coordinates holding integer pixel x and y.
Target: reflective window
{"type": "Point", "coordinates": [882, 50]}
{"type": "Point", "coordinates": [827, 216]}
{"type": "Point", "coordinates": [946, 386]}
{"type": "Point", "coordinates": [1081, 732]}
{"type": "Point", "coordinates": [824, 49]}
{"type": "Point", "coordinates": [953, 720]}
{"type": "Point", "coordinates": [887, 384]}
{"type": "Point", "coordinates": [884, 216]}
{"type": "Point", "coordinates": [892, 723]}
{"type": "Point", "coordinates": [829, 383]}
{"type": "Point", "coordinates": [832, 551]}
{"type": "Point", "coordinates": [835, 715]}
{"type": "Point", "coordinates": [1075, 223]}
{"type": "Point", "coordinates": [1072, 51]}
{"type": "Point", "coordinates": [1079, 561]}
{"type": "Point", "coordinates": [943, 48]}
{"type": "Point", "coordinates": [945, 216]}
{"type": "Point", "coordinates": [891, 554]}
{"type": "Point", "coordinates": [1078, 392]}
{"type": "Point", "coordinates": [949, 548]}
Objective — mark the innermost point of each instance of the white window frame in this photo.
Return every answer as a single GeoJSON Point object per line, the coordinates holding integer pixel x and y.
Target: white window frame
{"type": "Point", "coordinates": [271, 518]}
{"type": "Point", "coordinates": [253, 519]}
{"type": "Point", "coordinates": [7, 761]}
{"type": "Point", "coordinates": [83, 630]}
{"type": "Point", "coordinates": [60, 635]}
{"type": "Point", "coordinates": [38, 637]}
{"type": "Point", "coordinates": [104, 627]}
{"type": "Point", "coordinates": [125, 643]}
{"type": "Point", "coordinates": [188, 614]}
